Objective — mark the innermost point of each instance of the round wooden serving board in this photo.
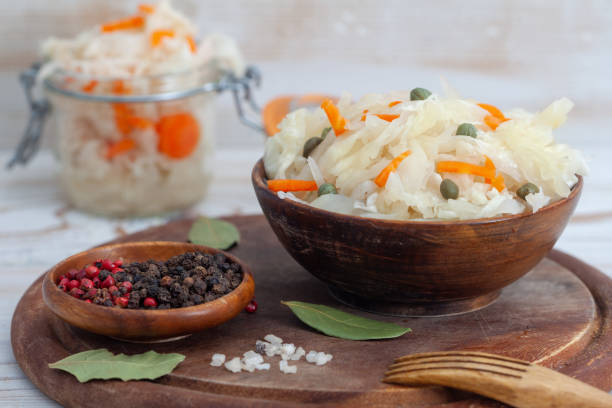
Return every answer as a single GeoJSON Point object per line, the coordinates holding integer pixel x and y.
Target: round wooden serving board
{"type": "Point", "coordinates": [558, 315]}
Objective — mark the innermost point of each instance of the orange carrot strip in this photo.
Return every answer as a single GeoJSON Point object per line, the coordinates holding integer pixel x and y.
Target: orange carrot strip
{"type": "Point", "coordinates": [137, 122]}
{"type": "Point", "coordinates": [292, 185]}
{"type": "Point", "coordinates": [146, 8]}
{"type": "Point", "coordinates": [498, 182]}
{"type": "Point", "coordinates": [122, 118]}
{"type": "Point", "coordinates": [120, 147]}
{"type": "Point", "coordinates": [178, 135]}
{"type": "Point", "coordinates": [392, 104]}
{"type": "Point", "coordinates": [383, 176]}
{"type": "Point", "coordinates": [387, 117]}
{"type": "Point", "coordinates": [493, 122]}
{"type": "Point", "coordinates": [192, 44]}
{"type": "Point", "coordinates": [487, 171]}
{"type": "Point", "coordinates": [120, 88]}
{"type": "Point", "coordinates": [489, 165]}
{"type": "Point", "coordinates": [363, 117]}
{"type": "Point", "coordinates": [123, 24]}
{"type": "Point", "coordinates": [493, 110]}
{"type": "Point", "coordinates": [158, 35]}
{"type": "Point", "coordinates": [336, 120]}
{"type": "Point", "coordinates": [464, 168]}
{"type": "Point", "coordinates": [89, 87]}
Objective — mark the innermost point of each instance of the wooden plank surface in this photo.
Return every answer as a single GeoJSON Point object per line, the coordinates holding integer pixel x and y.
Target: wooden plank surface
{"type": "Point", "coordinates": [512, 53]}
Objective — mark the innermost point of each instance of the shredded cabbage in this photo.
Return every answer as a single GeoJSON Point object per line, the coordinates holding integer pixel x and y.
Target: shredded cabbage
{"type": "Point", "coordinates": [522, 149]}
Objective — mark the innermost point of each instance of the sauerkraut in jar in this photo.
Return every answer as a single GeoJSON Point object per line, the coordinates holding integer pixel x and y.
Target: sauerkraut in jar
{"type": "Point", "coordinates": [133, 114]}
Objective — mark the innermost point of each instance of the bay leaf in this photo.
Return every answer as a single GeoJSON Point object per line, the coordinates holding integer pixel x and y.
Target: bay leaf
{"type": "Point", "coordinates": [337, 323]}
{"type": "Point", "coordinates": [213, 233]}
{"type": "Point", "coordinates": [102, 364]}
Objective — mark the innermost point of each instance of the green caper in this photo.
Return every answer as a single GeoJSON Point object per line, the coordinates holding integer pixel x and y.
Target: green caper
{"type": "Point", "coordinates": [327, 188]}
{"type": "Point", "coordinates": [449, 189]}
{"type": "Point", "coordinates": [325, 132]}
{"type": "Point", "coordinates": [526, 189]}
{"type": "Point", "coordinates": [419, 94]}
{"type": "Point", "coordinates": [310, 145]}
{"type": "Point", "coordinates": [466, 129]}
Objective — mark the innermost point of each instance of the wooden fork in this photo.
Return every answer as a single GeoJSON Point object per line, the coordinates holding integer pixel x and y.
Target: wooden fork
{"type": "Point", "coordinates": [514, 382]}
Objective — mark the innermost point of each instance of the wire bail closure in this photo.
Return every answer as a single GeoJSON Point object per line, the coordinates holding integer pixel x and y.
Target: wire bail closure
{"type": "Point", "coordinates": [240, 87]}
{"type": "Point", "coordinates": [39, 109]}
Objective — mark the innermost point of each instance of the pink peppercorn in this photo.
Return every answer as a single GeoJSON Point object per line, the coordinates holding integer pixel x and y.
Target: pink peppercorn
{"type": "Point", "coordinates": [73, 284]}
{"type": "Point", "coordinates": [96, 282]}
{"type": "Point", "coordinates": [149, 302]}
{"type": "Point", "coordinates": [115, 270]}
{"type": "Point", "coordinates": [251, 307]}
{"type": "Point", "coordinates": [121, 301]}
{"type": "Point", "coordinates": [127, 285]}
{"type": "Point", "coordinates": [72, 273]}
{"type": "Point", "coordinates": [108, 282]}
{"type": "Point", "coordinates": [63, 284]}
{"type": "Point", "coordinates": [86, 284]}
{"type": "Point", "coordinates": [81, 274]}
{"type": "Point", "coordinates": [76, 292]}
{"type": "Point", "coordinates": [92, 271]}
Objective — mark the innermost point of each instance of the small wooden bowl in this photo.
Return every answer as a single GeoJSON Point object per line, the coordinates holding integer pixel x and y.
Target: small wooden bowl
{"type": "Point", "coordinates": [140, 324]}
{"type": "Point", "coordinates": [413, 268]}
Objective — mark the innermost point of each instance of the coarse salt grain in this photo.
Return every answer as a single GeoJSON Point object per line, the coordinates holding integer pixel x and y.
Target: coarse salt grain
{"type": "Point", "coordinates": [217, 360]}
{"type": "Point", "coordinates": [273, 349]}
{"type": "Point", "coordinates": [311, 357]}
{"type": "Point", "coordinates": [322, 358]}
{"type": "Point", "coordinates": [234, 365]}
{"type": "Point", "coordinates": [253, 359]}
{"type": "Point", "coordinates": [298, 354]}
{"type": "Point", "coordinates": [286, 368]}
{"type": "Point", "coordinates": [273, 339]}
{"type": "Point", "coordinates": [287, 350]}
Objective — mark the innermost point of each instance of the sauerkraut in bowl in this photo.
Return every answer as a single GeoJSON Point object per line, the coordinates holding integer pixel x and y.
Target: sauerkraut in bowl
{"type": "Point", "coordinates": [421, 156]}
{"type": "Point", "coordinates": [125, 156]}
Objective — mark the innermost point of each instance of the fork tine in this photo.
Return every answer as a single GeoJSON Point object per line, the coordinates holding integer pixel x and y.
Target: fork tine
{"type": "Point", "coordinates": [461, 354]}
{"type": "Point", "coordinates": [514, 382]}
{"type": "Point", "coordinates": [415, 376]}
{"type": "Point", "coordinates": [467, 363]}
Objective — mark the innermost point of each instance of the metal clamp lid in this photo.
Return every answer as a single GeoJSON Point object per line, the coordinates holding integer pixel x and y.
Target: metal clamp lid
{"type": "Point", "coordinates": [40, 108]}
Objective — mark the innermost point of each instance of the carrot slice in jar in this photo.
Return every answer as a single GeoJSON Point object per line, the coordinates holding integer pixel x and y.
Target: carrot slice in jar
{"type": "Point", "coordinates": [120, 88]}
{"type": "Point", "coordinates": [123, 24]}
{"type": "Point", "coordinates": [178, 135]}
{"type": "Point", "coordinates": [157, 36]}
{"type": "Point", "coordinates": [119, 147]}
{"type": "Point", "coordinates": [90, 86]}
{"type": "Point", "coordinates": [192, 44]}
{"type": "Point", "coordinates": [146, 8]}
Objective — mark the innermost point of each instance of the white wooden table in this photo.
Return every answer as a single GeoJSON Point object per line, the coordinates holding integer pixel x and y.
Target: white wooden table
{"type": "Point", "coordinates": [37, 229]}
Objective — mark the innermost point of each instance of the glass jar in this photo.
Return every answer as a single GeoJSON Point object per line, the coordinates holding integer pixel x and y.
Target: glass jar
{"type": "Point", "coordinates": [136, 146]}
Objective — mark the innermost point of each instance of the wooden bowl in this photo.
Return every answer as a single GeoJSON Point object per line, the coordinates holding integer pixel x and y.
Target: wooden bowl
{"type": "Point", "coordinates": [140, 324]}
{"type": "Point", "coordinates": [413, 268]}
